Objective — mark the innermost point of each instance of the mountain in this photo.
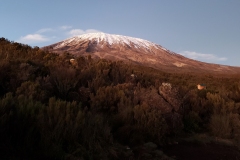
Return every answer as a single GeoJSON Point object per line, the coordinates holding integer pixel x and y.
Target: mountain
{"type": "Point", "coordinates": [134, 50]}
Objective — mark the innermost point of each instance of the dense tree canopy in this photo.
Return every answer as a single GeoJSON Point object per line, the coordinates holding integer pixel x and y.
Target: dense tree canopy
{"type": "Point", "coordinates": [51, 107]}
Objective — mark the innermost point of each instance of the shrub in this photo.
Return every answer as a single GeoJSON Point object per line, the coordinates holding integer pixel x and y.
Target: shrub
{"type": "Point", "coordinates": [191, 122]}
{"type": "Point", "coordinates": [220, 125]}
{"type": "Point", "coordinates": [150, 122]}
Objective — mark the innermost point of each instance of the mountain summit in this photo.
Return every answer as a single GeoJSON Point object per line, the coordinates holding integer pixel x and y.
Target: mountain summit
{"type": "Point", "coordinates": [99, 41]}
{"type": "Point", "coordinates": [134, 50]}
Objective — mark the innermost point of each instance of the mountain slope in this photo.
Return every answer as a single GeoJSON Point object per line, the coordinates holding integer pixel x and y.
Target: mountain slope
{"type": "Point", "coordinates": [134, 50]}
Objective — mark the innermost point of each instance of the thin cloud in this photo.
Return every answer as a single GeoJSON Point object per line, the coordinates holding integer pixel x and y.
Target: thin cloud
{"type": "Point", "coordinates": [92, 31]}
{"type": "Point", "coordinates": [76, 32]}
{"type": "Point", "coordinates": [65, 27]}
{"type": "Point", "coordinates": [33, 38]}
{"type": "Point", "coordinates": [44, 30]}
{"type": "Point", "coordinates": [52, 34]}
{"type": "Point", "coordinates": [201, 56]}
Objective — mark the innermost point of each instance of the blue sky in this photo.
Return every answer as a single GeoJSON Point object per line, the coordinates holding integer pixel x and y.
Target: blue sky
{"type": "Point", "coordinates": [205, 30]}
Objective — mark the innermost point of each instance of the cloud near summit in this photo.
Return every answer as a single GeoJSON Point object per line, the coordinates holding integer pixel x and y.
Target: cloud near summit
{"type": "Point", "coordinates": [65, 27]}
{"type": "Point", "coordinates": [76, 32]}
{"type": "Point", "coordinates": [33, 38]}
{"type": "Point", "coordinates": [201, 56]}
{"type": "Point", "coordinates": [53, 34]}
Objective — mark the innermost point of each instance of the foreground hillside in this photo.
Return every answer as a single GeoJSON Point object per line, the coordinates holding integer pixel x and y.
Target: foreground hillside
{"type": "Point", "coordinates": [61, 107]}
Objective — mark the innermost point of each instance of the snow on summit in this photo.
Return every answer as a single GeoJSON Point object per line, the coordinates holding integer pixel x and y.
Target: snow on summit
{"type": "Point", "coordinates": [100, 41]}
{"type": "Point", "coordinates": [111, 39]}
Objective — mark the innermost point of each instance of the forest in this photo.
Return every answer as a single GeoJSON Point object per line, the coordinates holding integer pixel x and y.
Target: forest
{"type": "Point", "coordinates": [64, 107]}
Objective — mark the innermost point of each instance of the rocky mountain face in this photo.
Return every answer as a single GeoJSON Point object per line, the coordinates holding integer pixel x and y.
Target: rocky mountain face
{"type": "Point", "coordinates": [134, 50]}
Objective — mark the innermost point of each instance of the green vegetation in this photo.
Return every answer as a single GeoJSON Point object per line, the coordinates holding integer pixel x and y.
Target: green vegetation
{"type": "Point", "coordinates": [90, 109]}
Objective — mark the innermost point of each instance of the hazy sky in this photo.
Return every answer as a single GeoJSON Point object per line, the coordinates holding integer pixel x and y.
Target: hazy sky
{"type": "Point", "coordinates": [205, 30]}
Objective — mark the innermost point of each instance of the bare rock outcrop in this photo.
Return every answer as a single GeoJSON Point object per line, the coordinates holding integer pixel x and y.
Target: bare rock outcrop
{"type": "Point", "coordinates": [166, 100]}
{"type": "Point", "coordinates": [171, 95]}
{"type": "Point", "coordinates": [151, 97]}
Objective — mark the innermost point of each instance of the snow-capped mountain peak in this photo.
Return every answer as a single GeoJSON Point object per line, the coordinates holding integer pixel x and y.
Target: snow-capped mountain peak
{"type": "Point", "coordinates": [111, 39]}
{"type": "Point", "coordinates": [133, 50]}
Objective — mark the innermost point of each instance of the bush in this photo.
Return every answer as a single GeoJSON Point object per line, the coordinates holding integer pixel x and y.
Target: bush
{"type": "Point", "coordinates": [191, 122]}
{"type": "Point", "coordinates": [220, 125]}
{"type": "Point", "coordinates": [150, 122]}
